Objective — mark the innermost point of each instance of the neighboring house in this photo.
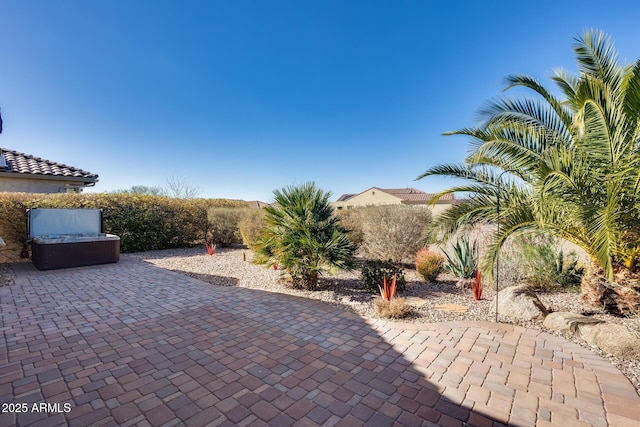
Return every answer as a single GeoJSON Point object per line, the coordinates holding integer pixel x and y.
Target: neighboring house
{"type": "Point", "coordinates": [393, 196]}
{"type": "Point", "coordinates": [21, 172]}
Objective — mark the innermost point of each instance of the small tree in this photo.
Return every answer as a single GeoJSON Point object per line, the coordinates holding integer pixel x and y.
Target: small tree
{"type": "Point", "coordinates": [303, 236]}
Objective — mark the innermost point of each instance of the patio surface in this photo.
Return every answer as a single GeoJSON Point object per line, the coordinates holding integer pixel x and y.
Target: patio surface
{"type": "Point", "coordinates": [132, 344]}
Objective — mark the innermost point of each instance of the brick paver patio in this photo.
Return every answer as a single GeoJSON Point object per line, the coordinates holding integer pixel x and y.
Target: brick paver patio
{"type": "Point", "coordinates": [131, 344]}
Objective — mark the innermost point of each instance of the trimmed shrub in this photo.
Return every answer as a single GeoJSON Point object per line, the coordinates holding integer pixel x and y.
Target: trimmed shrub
{"type": "Point", "coordinates": [393, 232]}
{"type": "Point", "coordinates": [429, 264]}
{"type": "Point", "coordinates": [252, 226]}
{"type": "Point", "coordinates": [143, 222]}
{"type": "Point", "coordinates": [224, 225]}
{"type": "Point", "coordinates": [373, 272]}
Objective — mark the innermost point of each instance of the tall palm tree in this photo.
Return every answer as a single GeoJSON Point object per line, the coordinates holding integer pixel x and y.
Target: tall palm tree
{"type": "Point", "coordinates": [567, 166]}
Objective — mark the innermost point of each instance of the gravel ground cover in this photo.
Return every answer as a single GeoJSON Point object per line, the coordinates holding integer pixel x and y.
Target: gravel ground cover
{"type": "Point", "coordinates": [233, 267]}
{"type": "Point", "coordinates": [228, 267]}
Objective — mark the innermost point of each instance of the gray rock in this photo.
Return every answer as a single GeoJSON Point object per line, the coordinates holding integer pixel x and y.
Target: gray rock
{"type": "Point", "coordinates": [611, 338]}
{"type": "Point", "coordinates": [520, 302]}
{"type": "Point", "coordinates": [568, 323]}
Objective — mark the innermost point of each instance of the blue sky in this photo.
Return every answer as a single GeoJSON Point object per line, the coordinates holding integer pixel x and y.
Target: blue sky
{"type": "Point", "coordinates": [240, 97]}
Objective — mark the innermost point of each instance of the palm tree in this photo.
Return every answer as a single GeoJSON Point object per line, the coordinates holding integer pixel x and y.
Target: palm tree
{"type": "Point", "coordinates": [571, 168]}
{"type": "Point", "coordinates": [303, 236]}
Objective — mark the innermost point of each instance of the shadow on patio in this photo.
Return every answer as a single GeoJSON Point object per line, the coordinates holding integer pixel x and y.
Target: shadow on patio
{"type": "Point", "coordinates": [133, 344]}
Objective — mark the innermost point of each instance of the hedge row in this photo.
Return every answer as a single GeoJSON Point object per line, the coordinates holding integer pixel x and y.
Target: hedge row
{"type": "Point", "coordinates": [143, 222]}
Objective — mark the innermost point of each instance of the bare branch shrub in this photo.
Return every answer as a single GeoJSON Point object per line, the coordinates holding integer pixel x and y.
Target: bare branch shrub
{"type": "Point", "coordinates": [178, 188]}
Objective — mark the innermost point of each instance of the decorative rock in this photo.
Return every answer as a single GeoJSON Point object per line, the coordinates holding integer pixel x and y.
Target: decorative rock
{"type": "Point", "coordinates": [611, 338]}
{"type": "Point", "coordinates": [464, 283]}
{"type": "Point", "coordinates": [415, 301]}
{"type": "Point", "coordinates": [452, 308]}
{"type": "Point", "coordinates": [520, 302]}
{"type": "Point", "coordinates": [568, 323]}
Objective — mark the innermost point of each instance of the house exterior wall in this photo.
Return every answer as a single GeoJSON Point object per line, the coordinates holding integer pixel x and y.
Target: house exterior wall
{"type": "Point", "coordinates": [439, 208]}
{"type": "Point", "coordinates": [373, 196]}
{"type": "Point", "coordinates": [26, 185]}
{"type": "Point", "coordinates": [376, 197]}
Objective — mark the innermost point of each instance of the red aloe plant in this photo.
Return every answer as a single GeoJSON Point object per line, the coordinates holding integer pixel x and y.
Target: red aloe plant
{"type": "Point", "coordinates": [275, 266]}
{"type": "Point", "coordinates": [476, 286]}
{"type": "Point", "coordinates": [388, 291]}
{"type": "Point", "coordinates": [210, 248]}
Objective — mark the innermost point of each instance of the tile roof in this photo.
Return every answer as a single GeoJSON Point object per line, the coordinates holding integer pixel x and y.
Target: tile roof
{"type": "Point", "coordinates": [415, 195]}
{"type": "Point", "coordinates": [410, 195]}
{"type": "Point", "coordinates": [22, 163]}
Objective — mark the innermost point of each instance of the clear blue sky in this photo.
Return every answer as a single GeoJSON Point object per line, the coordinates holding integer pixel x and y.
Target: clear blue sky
{"type": "Point", "coordinates": [242, 97]}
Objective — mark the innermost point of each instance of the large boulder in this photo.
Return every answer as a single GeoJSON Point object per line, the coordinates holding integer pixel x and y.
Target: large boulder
{"type": "Point", "coordinates": [520, 302]}
{"type": "Point", "coordinates": [611, 338]}
{"type": "Point", "coordinates": [568, 323]}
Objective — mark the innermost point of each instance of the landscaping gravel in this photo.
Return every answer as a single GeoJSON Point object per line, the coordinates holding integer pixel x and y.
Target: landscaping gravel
{"type": "Point", "coordinates": [228, 267]}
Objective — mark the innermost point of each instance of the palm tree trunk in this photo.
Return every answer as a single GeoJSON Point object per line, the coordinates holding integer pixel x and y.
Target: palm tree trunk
{"type": "Point", "coordinates": [619, 298]}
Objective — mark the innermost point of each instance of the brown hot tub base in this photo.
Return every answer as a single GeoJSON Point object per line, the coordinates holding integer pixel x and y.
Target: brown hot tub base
{"type": "Point", "coordinates": [49, 254]}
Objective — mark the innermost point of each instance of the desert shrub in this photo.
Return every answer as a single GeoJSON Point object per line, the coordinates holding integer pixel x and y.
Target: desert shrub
{"type": "Point", "coordinates": [462, 258]}
{"type": "Point", "coordinates": [393, 232]}
{"type": "Point", "coordinates": [395, 308]}
{"type": "Point", "coordinates": [303, 236]}
{"type": "Point", "coordinates": [429, 264]}
{"type": "Point", "coordinates": [251, 227]}
{"type": "Point", "coordinates": [224, 225]}
{"type": "Point", "coordinates": [374, 271]}
{"type": "Point", "coordinates": [143, 222]}
{"type": "Point", "coordinates": [351, 220]}
{"type": "Point", "coordinates": [537, 260]}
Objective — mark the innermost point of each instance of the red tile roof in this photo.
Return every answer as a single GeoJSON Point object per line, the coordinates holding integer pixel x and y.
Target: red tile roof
{"type": "Point", "coordinates": [22, 163]}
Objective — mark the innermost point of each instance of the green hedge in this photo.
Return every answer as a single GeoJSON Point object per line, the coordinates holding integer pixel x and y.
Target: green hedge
{"type": "Point", "coordinates": [143, 222]}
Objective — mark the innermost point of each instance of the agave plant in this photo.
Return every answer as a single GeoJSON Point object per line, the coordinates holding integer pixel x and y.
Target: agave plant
{"type": "Point", "coordinates": [463, 260]}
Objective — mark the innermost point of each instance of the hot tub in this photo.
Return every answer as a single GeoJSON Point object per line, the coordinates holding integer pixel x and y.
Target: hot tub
{"type": "Point", "coordinates": [63, 238]}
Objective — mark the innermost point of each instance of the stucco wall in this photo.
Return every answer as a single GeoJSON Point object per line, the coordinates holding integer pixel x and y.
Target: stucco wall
{"type": "Point", "coordinates": [26, 185]}
{"type": "Point", "coordinates": [370, 197]}
{"type": "Point", "coordinates": [376, 197]}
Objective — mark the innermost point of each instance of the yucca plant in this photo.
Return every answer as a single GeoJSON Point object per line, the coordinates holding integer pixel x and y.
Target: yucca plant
{"type": "Point", "coordinates": [462, 261]}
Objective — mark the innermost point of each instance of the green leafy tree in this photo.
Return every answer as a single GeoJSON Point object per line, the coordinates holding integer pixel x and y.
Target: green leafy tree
{"type": "Point", "coordinates": [303, 236]}
{"type": "Point", "coordinates": [568, 166]}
